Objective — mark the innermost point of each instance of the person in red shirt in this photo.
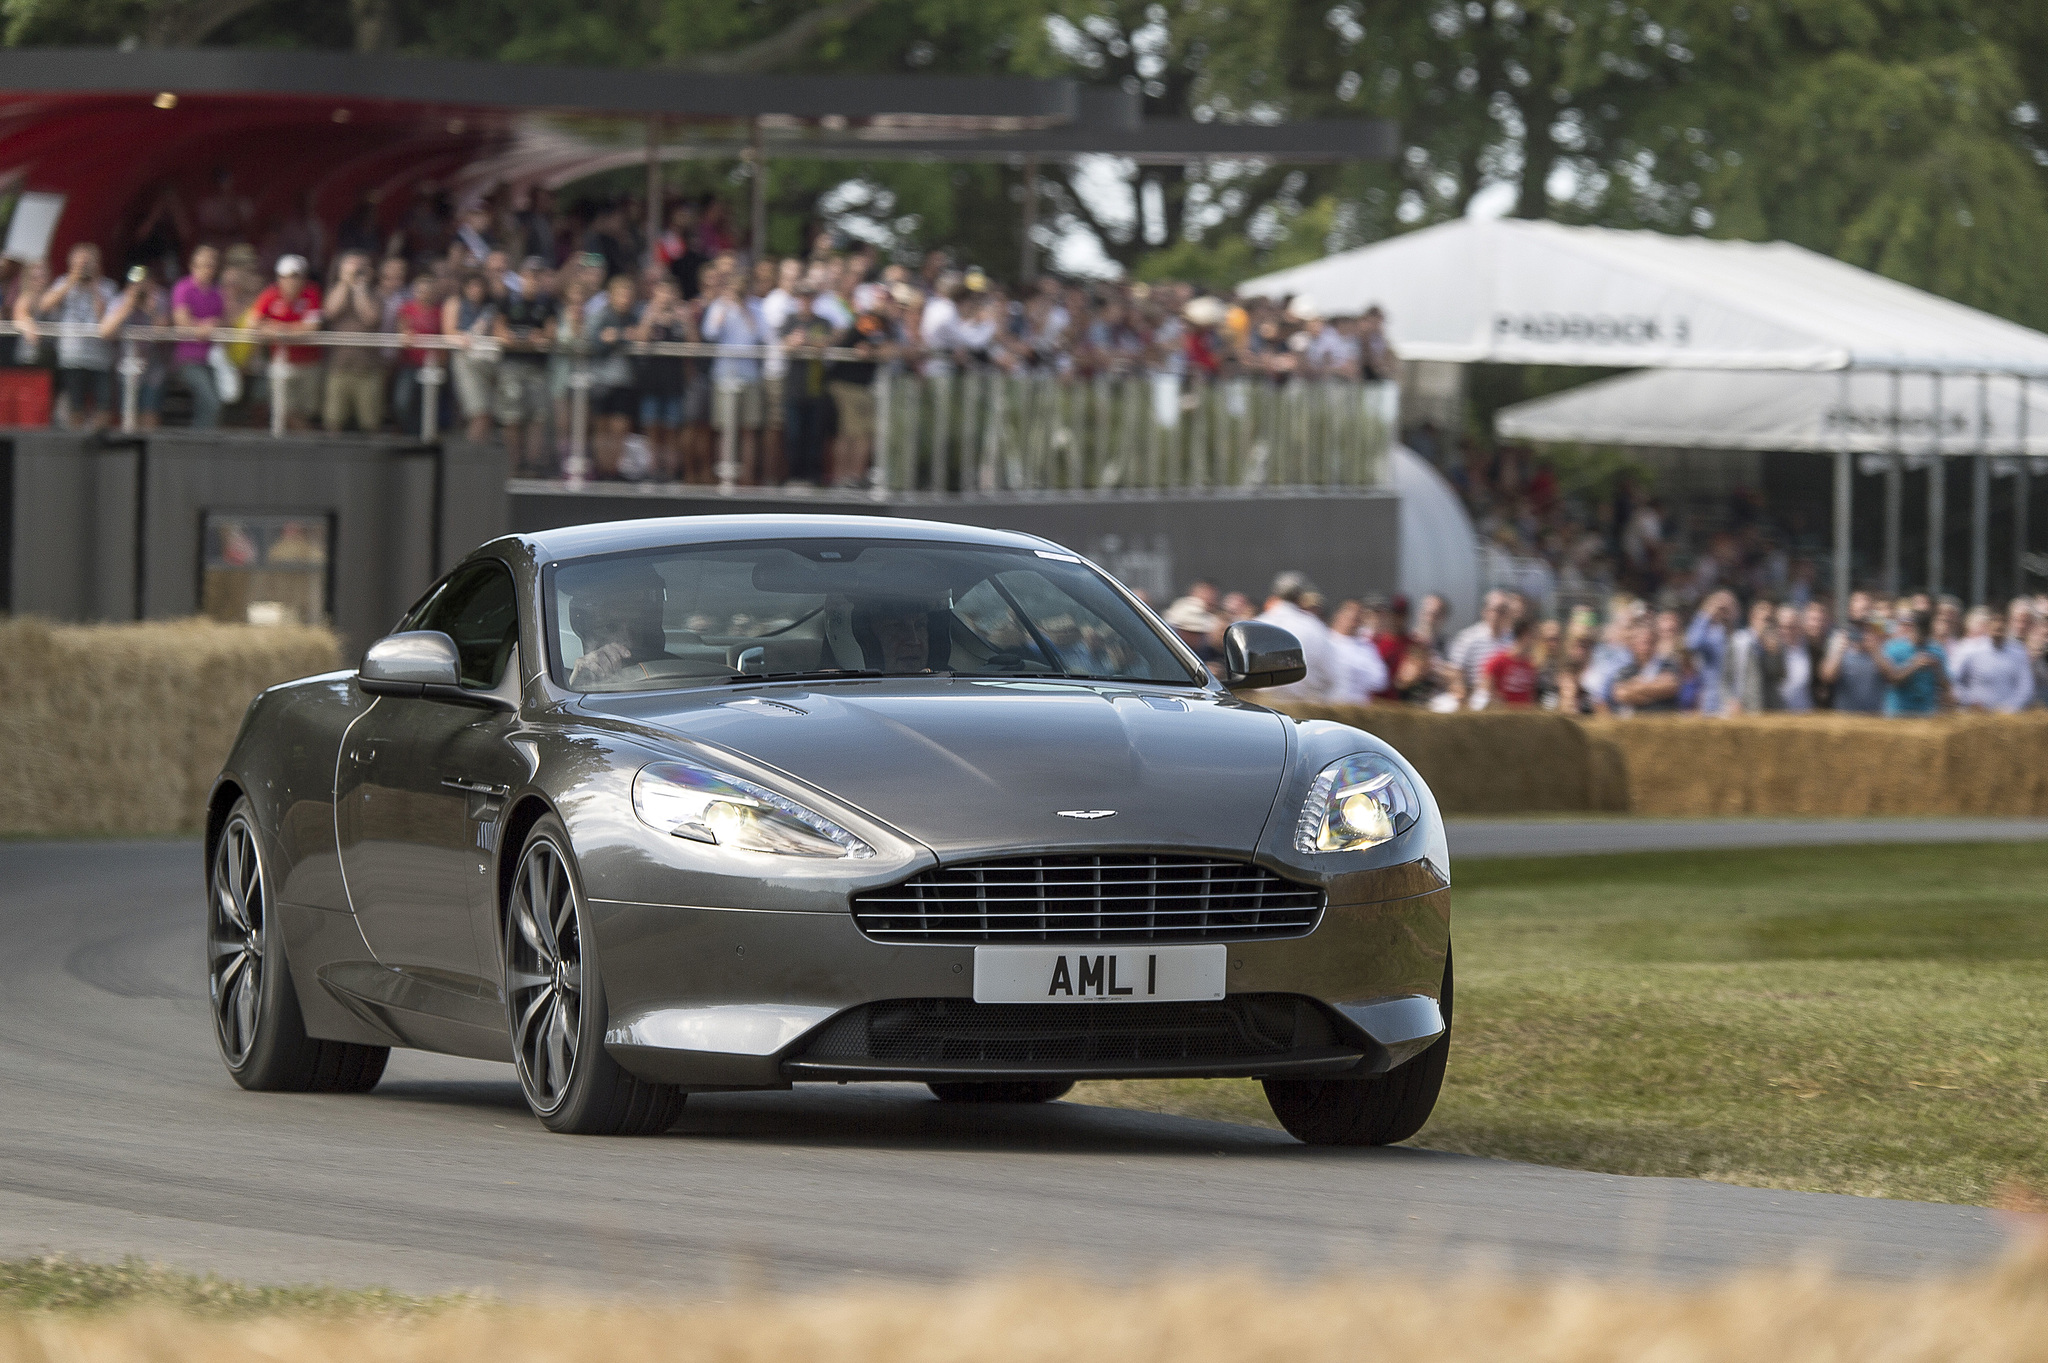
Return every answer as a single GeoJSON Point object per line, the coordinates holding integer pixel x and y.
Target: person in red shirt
{"type": "Point", "coordinates": [1401, 655]}
{"type": "Point", "coordinates": [1509, 677]}
{"type": "Point", "coordinates": [289, 306]}
{"type": "Point", "coordinates": [420, 315]}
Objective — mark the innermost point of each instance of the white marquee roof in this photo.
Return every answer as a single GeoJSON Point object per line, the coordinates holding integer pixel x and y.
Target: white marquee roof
{"type": "Point", "coordinates": [1513, 291]}
{"type": "Point", "coordinates": [1861, 411]}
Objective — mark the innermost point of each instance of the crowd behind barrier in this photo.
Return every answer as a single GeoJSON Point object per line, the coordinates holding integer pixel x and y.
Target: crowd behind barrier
{"type": "Point", "coordinates": [597, 355]}
{"type": "Point", "coordinates": [1908, 657]}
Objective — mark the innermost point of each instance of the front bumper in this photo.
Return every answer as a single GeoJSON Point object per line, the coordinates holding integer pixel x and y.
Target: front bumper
{"type": "Point", "coordinates": [714, 998]}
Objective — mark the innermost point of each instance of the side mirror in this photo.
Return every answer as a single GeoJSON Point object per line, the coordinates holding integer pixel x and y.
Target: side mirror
{"type": "Point", "coordinates": [1257, 655]}
{"type": "Point", "coordinates": [422, 663]}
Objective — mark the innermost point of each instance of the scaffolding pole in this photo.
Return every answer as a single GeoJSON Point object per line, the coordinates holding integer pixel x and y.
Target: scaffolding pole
{"type": "Point", "coordinates": [1980, 498]}
{"type": "Point", "coordinates": [2022, 492]}
{"type": "Point", "coordinates": [1845, 494]}
{"type": "Point", "coordinates": [1937, 501]}
{"type": "Point", "coordinates": [1894, 498]}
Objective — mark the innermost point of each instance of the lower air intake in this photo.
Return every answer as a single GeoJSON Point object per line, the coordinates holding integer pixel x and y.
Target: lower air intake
{"type": "Point", "coordinates": [912, 1032]}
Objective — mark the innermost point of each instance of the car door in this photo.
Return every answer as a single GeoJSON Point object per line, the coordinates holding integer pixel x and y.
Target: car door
{"type": "Point", "coordinates": [419, 790]}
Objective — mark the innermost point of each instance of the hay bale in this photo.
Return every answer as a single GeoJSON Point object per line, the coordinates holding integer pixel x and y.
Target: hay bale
{"type": "Point", "coordinates": [122, 728]}
{"type": "Point", "coordinates": [1684, 766]}
{"type": "Point", "coordinates": [1492, 762]}
{"type": "Point", "coordinates": [1841, 766]}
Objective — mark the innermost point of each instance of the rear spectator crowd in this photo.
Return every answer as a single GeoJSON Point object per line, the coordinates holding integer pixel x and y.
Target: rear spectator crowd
{"type": "Point", "coordinates": [540, 300]}
{"type": "Point", "coordinates": [1906, 657]}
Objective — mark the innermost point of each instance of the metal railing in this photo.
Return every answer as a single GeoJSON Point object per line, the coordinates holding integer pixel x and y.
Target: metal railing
{"type": "Point", "coordinates": [970, 432]}
{"type": "Point", "coordinates": [990, 432]}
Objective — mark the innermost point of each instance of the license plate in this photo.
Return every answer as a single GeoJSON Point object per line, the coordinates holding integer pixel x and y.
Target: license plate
{"type": "Point", "coordinates": [1161, 974]}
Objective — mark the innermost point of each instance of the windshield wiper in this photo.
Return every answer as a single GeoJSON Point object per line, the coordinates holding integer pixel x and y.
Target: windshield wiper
{"type": "Point", "coordinates": [815, 674]}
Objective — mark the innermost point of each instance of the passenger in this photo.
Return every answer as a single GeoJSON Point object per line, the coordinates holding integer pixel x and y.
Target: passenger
{"type": "Point", "coordinates": [618, 618]}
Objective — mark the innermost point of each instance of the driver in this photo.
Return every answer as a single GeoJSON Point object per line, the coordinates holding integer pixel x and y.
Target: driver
{"type": "Point", "coordinates": [895, 633]}
{"type": "Point", "coordinates": [619, 620]}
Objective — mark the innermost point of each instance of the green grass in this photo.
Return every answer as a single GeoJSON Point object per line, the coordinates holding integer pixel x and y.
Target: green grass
{"type": "Point", "coordinates": [58, 1283]}
{"type": "Point", "coordinates": [1857, 1020]}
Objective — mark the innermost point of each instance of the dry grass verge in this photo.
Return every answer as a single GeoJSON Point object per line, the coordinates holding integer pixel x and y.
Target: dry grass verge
{"type": "Point", "coordinates": [1794, 1316]}
{"type": "Point", "coordinates": [122, 728]}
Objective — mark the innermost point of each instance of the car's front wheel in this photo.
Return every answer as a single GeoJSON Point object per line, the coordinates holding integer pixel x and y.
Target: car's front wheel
{"type": "Point", "coordinates": [256, 1017]}
{"type": "Point", "coordinates": [1380, 1110]}
{"type": "Point", "coordinates": [554, 998]}
{"type": "Point", "coordinates": [1001, 1091]}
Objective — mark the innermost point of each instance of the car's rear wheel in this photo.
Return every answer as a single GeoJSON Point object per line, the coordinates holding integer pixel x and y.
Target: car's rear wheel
{"type": "Point", "coordinates": [1001, 1091]}
{"type": "Point", "coordinates": [1380, 1110]}
{"type": "Point", "coordinates": [256, 1017]}
{"type": "Point", "coordinates": [554, 999]}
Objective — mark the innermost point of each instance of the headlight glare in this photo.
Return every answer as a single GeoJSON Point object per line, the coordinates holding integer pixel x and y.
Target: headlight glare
{"type": "Point", "coordinates": [688, 800]}
{"type": "Point", "coordinates": [1354, 804]}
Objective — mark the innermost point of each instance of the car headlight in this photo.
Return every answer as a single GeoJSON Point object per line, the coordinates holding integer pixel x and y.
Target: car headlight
{"type": "Point", "coordinates": [706, 805]}
{"type": "Point", "coordinates": [1356, 803]}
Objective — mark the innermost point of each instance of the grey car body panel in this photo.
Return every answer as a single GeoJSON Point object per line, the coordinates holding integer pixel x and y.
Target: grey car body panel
{"type": "Point", "coordinates": [717, 963]}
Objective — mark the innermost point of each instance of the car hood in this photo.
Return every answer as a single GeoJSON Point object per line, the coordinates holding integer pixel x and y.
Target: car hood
{"type": "Point", "coordinates": [974, 767]}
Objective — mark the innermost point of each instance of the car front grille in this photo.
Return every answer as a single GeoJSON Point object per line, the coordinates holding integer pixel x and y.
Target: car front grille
{"type": "Point", "coordinates": [1113, 897]}
{"type": "Point", "coordinates": [912, 1032]}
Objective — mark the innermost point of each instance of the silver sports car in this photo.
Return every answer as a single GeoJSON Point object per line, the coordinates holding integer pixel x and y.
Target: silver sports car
{"type": "Point", "coordinates": [727, 802]}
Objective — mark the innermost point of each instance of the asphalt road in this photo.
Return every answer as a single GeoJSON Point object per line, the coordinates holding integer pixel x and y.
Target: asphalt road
{"type": "Point", "coordinates": [121, 1134]}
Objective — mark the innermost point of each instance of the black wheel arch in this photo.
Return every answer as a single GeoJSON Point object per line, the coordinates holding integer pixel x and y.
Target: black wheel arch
{"type": "Point", "coordinates": [219, 803]}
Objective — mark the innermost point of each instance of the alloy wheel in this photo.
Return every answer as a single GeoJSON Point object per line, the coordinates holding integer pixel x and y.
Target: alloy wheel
{"type": "Point", "coordinates": [544, 975]}
{"type": "Point", "coordinates": [239, 909]}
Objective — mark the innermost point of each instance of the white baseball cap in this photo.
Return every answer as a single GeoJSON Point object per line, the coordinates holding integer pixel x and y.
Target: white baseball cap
{"type": "Point", "coordinates": [291, 265]}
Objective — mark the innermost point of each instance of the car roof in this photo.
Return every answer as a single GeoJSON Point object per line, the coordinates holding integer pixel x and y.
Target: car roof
{"type": "Point", "coordinates": [655, 532]}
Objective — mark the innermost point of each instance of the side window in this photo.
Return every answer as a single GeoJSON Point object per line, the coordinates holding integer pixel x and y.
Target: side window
{"type": "Point", "coordinates": [479, 611]}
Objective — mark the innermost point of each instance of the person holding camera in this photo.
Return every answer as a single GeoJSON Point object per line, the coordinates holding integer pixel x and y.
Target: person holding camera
{"type": "Point", "coordinates": [1915, 669]}
{"type": "Point", "coordinates": [356, 375]}
{"type": "Point", "coordinates": [85, 363]}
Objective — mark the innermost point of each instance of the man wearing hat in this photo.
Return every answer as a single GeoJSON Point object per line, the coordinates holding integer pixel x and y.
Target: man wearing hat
{"type": "Point", "coordinates": [1198, 628]}
{"type": "Point", "coordinates": [289, 306]}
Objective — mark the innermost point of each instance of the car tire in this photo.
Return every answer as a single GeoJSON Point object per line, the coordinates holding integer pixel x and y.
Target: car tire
{"type": "Point", "coordinates": [555, 1005]}
{"type": "Point", "coordinates": [256, 1019]}
{"type": "Point", "coordinates": [1379, 1110]}
{"type": "Point", "coordinates": [1002, 1091]}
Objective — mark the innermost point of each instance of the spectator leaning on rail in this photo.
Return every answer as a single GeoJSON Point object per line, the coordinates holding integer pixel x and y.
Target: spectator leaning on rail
{"type": "Point", "coordinates": [1510, 677]}
{"type": "Point", "coordinates": [1476, 644]}
{"type": "Point", "coordinates": [470, 316]}
{"type": "Point", "coordinates": [196, 302]}
{"type": "Point", "coordinates": [1992, 672]}
{"type": "Point", "coordinates": [1284, 608]}
{"type": "Point", "coordinates": [288, 307]}
{"type": "Point", "coordinates": [1649, 683]}
{"type": "Point", "coordinates": [526, 328]}
{"type": "Point", "coordinates": [1361, 671]}
{"type": "Point", "coordinates": [733, 320]}
{"type": "Point", "coordinates": [420, 315]}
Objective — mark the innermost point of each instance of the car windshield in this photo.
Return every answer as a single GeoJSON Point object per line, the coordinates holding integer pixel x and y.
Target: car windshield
{"type": "Point", "coordinates": [704, 614]}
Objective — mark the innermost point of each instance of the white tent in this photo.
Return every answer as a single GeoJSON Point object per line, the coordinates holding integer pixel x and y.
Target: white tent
{"type": "Point", "coordinates": [1838, 359]}
{"type": "Point", "coordinates": [1512, 291]}
{"type": "Point", "coordinates": [1864, 412]}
